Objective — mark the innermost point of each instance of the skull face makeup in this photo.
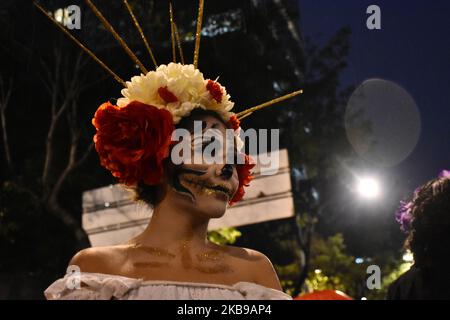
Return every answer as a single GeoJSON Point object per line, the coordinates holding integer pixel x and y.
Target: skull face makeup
{"type": "Point", "coordinates": [205, 188]}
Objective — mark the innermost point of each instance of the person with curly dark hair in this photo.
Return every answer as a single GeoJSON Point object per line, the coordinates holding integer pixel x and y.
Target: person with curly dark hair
{"type": "Point", "coordinates": [426, 220]}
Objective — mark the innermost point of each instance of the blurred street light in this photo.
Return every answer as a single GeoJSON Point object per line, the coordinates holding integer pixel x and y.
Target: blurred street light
{"type": "Point", "coordinates": [368, 187]}
{"type": "Point", "coordinates": [359, 260]}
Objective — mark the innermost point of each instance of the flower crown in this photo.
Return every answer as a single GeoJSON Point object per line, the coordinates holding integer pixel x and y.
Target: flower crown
{"type": "Point", "coordinates": [179, 89]}
{"type": "Point", "coordinates": [134, 137]}
{"type": "Point", "coordinates": [404, 215]}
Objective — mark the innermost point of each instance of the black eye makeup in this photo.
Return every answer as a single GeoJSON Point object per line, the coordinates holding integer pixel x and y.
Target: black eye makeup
{"type": "Point", "coordinates": [176, 183]}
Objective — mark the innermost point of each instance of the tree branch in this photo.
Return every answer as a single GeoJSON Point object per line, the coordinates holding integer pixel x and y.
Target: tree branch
{"type": "Point", "coordinates": [5, 96]}
{"type": "Point", "coordinates": [67, 95]}
{"type": "Point", "coordinates": [65, 216]}
{"type": "Point", "coordinates": [72, 163]}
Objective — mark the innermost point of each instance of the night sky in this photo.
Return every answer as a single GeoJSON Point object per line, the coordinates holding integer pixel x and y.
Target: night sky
{"type": "Point", "coordinates": [412, 49]}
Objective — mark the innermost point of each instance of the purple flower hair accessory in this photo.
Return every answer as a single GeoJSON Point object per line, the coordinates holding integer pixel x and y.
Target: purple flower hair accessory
{"type": "Point", "coordinates": [403, 215]}
{"type": "Point", "coordinates": [444, 174]}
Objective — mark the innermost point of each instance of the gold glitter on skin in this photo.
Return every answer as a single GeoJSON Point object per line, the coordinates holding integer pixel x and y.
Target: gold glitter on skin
{"type": "Point", "coordinates": [222, 268]}
{"type": "Point", "coordinates": [186, 259]}
{"type": "Point", "coordinates": [206, 188]}
{"type": "Point", "coordinates": [208, 262]}
{"type": "Point", "coordinates": [154, 251]}
{"type": "Point", "coordinates": [210, 256]}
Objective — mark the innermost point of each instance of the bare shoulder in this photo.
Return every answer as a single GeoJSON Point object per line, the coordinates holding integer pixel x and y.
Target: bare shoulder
{"type": "Point", "coordinates": [249, 255]}
{"type": "Point", "coordinates": [256, 265]}
{"type": "Point", "coordinates": [99, 259]}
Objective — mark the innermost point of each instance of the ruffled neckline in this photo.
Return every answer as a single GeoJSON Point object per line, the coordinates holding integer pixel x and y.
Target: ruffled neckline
{"type": "Point", "coordinates": [105, 286]}
{"type": "Point", "coordinates": [143, 282]}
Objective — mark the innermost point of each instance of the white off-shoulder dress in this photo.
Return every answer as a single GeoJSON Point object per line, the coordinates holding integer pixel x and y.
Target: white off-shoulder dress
{"type": "Point", "coordinates": [98, 286]}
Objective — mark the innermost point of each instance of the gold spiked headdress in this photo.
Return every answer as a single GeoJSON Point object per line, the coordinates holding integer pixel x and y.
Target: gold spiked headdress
{"type": "Point", "coordinates": [176, 45]}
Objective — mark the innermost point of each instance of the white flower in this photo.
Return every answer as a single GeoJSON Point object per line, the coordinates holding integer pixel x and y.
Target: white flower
{"type": "Point", "coordinates": [185, 82]}
{"type": "Point", "coordinates": [239, 143]}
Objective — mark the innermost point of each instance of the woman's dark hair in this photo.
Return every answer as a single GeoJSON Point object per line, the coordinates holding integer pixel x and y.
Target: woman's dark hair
{"type": "Point", "coordinates": [429, 238]}
{"type": "Point", "coordinates": [152, 195]}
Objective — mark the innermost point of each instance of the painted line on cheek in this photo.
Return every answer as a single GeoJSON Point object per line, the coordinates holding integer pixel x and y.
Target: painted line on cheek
{"type": "Point", "coordinates": [179, 187]}
{"type": "Point", "coordinates": [192, 171]}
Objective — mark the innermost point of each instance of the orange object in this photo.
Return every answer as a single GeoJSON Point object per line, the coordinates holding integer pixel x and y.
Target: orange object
{"type": "Point", "coordinates": [324, 295]}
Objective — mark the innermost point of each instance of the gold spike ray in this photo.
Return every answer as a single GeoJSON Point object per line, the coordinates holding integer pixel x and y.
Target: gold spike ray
{"type": "Point", "coordinates": [122, 43]}
{"type": "Point", "coordinates": [138, 27]}
{"type": "Point", "coordinates": [82, 46]}
{"type": "Point", "coordinates": [245, 113]}
{"type": "Point", "coordinates": [172, 33]}
{"type": "Point", "coordinates": [245, 116]}
{"type": "Point", "coordinates": [198, 32]}
{"type": "Point", "coordinates": [177, 37]}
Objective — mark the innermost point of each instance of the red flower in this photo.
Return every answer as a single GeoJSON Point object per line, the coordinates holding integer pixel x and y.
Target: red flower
{"type": "Point", "coordinates": [244, 174]}
{"type": "Point", "coordinates": [133, 141]}
{"type": "Point", "coordinates": [215, 90]}
{"type": "Point", "coordinates": [234, 122]}
{"type": "Point", "coordinates": [167, 95]}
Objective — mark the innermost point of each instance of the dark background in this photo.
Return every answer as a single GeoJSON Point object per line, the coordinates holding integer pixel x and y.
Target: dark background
{"type": "Point", "coordinates": [261, 49]}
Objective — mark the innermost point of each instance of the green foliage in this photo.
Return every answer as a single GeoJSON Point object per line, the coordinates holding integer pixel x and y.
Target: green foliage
{"type": "Point", "coordinates": [28, 233]}
{"type": "Point", "coordinates": [329, 254]}
{"type": "Point", "coordinates": [305, 220]}
{"type": "Point", "coordinates": [287, 274]}
{"type": "Point", "coordinates": [224, 236]}
{"type": "Point", "coordinates": [318, 281]}
{"type": "Point", "coordinates": [395, 273]}
{"type": "Point", "coordinates": [14, 202]}
{"type": "Point", "coordinates": [331, 267]}
{"type": "Point", "coordinates": [390, 272]}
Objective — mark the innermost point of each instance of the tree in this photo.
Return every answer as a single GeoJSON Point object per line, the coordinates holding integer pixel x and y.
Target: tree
{"type": "Point", "coordinates": [64, 84]}
{"type": "Point", "coordinates": [5, 96]}
{"type": "Point", "coordinates": [62, 81]}
{"type": "Point", "coordinates": [312, 128]}
{"type": "Point", "coordinates": [333, 268]}
{"type": "Point", "coordinates": [319, 129]}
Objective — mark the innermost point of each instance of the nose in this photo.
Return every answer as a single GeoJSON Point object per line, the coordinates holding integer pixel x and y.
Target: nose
{"type": "Point", "coordinates": [227, 171]}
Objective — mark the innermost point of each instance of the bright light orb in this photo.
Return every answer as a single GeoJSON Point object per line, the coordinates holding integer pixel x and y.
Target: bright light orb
{"type": "Point", "coordinates": [368, 188]}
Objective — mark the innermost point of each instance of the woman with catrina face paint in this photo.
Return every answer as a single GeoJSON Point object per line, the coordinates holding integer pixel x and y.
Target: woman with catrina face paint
{"type": "Point", "coordinates": [172, 258]}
